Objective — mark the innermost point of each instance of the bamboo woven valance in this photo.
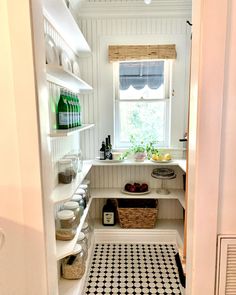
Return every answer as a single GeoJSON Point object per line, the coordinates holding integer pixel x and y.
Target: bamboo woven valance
{"type": "Point", "coordinates": [139, 52]}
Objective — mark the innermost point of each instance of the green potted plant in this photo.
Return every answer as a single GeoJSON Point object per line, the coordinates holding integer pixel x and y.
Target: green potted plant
{"type": "Point", "coordinates": [141, 149]}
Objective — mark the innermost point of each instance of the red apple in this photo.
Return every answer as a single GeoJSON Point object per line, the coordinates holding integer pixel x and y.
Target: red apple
{"type": "Point", "coordinates": [144, 187]}
{"type": "Point", "coordinates": [132, 189]}
{"type": "Point", "coordinates": [137, 187]}
{"type": "Point", "coordinates": [128, 186]}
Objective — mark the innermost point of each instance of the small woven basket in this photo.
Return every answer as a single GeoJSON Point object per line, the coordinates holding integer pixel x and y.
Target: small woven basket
{"type": "Point", "coordinates": [136, 217]}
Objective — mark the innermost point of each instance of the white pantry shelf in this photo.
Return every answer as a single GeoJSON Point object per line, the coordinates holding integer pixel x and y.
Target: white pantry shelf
{"type": "Point", "coordinates": [56, 74]}
{"type": "Point", "coordinates": [64, 192]}
{"type": "Point", "coordinates": [68, 132]}
{"type": "Point", "coordinates": [175, 162]}
{"type": "Point", "coordinates": [115, 193]}
{"type": "Point", "coordinates": [57, 13]}
{"type": "Point", "coordinates": [65, 248]}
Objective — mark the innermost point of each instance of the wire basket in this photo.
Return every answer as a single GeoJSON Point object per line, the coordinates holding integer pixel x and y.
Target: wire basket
{"type": "Point", "coordinates": [137, 213]}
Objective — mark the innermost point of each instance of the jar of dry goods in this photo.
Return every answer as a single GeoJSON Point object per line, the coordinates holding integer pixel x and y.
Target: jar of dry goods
{"type": "Point", "coordinates": [79, 199]}
{"type": "Point", "coordinates": [85, 188]}
{"type": "Point", "coordinates": [65, 171]}
{"type": "Point", "coordinates": [82, 240]}
{"type": "Point", "coordinates": [73, 266]}
{"type": "Point", "coordinates": [74, 160]}
{"type": "Point", "coordinates": [73, 206]}
{"type": "Point", "coordinates": [65, 225]}
{"type": "Point", "coordinates": [86, 231]}
{"type": "Point", "coordinates": [82, 192]}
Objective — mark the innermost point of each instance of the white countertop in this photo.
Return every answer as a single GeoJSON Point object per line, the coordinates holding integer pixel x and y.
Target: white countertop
{"type": "Point", "coordinates": [175, 162]}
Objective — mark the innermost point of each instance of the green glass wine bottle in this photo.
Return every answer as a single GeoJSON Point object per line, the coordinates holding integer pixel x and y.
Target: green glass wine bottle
{"type": "Point", "coordinates": [79, 112]}
{"type": "Point", "coordinates": [69, 101]}
{"type": "Point", "coordinates": [76, 109]}
{"type": "Point", "coordinates": [62, 112]}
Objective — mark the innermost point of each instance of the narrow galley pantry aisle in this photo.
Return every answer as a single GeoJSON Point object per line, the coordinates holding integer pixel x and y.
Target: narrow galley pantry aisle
{"type": "Point", "coordinates": [128, 269]}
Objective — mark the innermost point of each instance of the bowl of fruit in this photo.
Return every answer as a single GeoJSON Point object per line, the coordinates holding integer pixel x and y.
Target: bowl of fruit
{"type": "Point", "coordinates": [136, 188]}
{"type": "Point", "coordinates": [161, 158]}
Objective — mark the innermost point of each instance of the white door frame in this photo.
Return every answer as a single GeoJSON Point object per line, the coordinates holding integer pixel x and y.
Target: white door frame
{"type": "Point", "coordinates": [206, 99]}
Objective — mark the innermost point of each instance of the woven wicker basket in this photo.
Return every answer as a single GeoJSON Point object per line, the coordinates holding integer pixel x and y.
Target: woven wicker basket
{"type": "Point", "coordinates": [137, 217]}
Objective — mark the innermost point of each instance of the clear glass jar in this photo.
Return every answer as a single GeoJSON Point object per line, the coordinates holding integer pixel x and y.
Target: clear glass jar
{"type": "Point", "coordinates": [79, 199]}
{"type": "Point", "coordinates": [82, 240]}
{"type": "Point", "coordinates": [78, 155]}
{"type": "Point", "coordinates": [65, 171]}
{"type": "Point", "coordinates": [80, 161]}
{"type": "Point", "coordinates": [74, 160]}
{"type": "Point", "coordinates": [86, 231]}
{"type": "Point", "coordinates": [65, 225]}
{"type": "Point", "coordinates": [73, 266]}
{"type": "Point", "coordinates": [82, 192]}
{"type": "Point", "coordinates": [73, 206]}
{"type": "Point", "coordinates": [85, 188]}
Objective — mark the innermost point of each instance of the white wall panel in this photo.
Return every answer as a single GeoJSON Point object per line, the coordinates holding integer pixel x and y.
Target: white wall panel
{"type": "Point", "coordinates": [118, 176]}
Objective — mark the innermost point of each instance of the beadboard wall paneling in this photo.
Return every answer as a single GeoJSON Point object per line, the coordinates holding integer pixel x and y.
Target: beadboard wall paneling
{"type": "Point", "coordinates": [118, 176]}
{"type": "Point", "coordinates": [104, 30]}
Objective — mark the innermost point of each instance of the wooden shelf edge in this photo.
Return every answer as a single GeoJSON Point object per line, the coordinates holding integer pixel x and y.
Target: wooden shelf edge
{"type": "Point", "coordinates": [68, 132]}
{"type": "Point", "coordinates": [103, 193]}
{"type": "Point", "coordinates": [56, 74]}
{"type": "Point", "coordinates": [181, 163]}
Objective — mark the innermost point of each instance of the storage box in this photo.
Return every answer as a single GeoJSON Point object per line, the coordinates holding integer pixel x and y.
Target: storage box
{"type": "Point", "coordinates": [137, 213]}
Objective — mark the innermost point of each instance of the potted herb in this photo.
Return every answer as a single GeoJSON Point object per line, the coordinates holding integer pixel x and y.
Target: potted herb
{"type": "Point", "coordinates": [140, 149]}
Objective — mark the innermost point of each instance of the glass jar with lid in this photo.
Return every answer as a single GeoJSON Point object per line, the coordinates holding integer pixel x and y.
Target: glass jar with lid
{"type": "Point", "coordinates": [86, 231]}
{"type": "Point", "coordinates": [82, 192]}
{"type": "Point", "coordinates": [65, 171]}
{"type": "Point", "coordinates": [85, 188]}
{"type": "Point", "coordinates": [82, 240]}
{"type": "Point", "coordinates": [78, 155]}
{"type": "Point", "coordinates": [79, 199]}
{"type": "Point", "coordinates": [73, 266]}
{"type": "Point", "coordinates": [74, 206]}
{"type": "Point", "coordinates": [65, 225]}
{"type": "Point", "coordinates": [74, 160]}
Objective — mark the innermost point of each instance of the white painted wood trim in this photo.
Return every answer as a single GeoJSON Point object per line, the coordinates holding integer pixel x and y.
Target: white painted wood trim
{"type": "Point", "coordinates": [208, 56]}
{"type": "Point", "coordinates": [68, 132]}
{"type": "Point", "coordinates": [115, 193]}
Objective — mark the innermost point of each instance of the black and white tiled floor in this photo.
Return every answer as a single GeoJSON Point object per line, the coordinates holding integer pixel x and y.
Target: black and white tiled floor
{"type": "Point", "coordinates": [128, 269]}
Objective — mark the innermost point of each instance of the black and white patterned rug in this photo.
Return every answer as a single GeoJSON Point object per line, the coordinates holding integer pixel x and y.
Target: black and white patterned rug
{"type": "Point", "coordinates": [128, 269]}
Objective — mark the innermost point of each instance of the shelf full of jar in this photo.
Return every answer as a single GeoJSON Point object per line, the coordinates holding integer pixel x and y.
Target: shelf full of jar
{"type": "Point", "coordinates": [65, 248]}
{"type": "Point", "coordinates": [64, 192]}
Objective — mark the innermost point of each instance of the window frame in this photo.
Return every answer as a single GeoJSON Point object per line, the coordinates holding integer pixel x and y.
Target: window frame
{"type": "Point", "coordinates": [118, 144]}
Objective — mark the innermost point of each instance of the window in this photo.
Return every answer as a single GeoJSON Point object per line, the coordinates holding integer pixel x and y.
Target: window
{"type": "Point", "coordinates": [142, 104]}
